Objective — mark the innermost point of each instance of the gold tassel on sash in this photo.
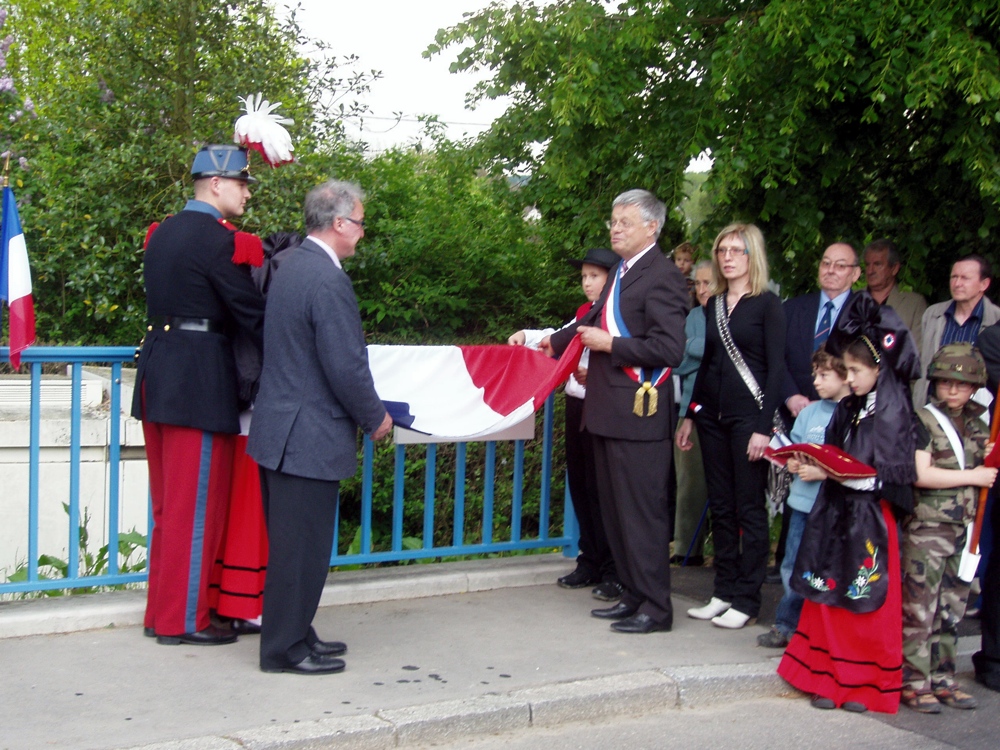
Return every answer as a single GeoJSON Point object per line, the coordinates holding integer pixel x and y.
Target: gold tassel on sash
{"type": "Point", "coordinates": [637, 407]}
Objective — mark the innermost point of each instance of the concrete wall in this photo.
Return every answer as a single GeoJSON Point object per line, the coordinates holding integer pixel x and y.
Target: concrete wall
{"type": "Point", "coordinates": [54, 481]}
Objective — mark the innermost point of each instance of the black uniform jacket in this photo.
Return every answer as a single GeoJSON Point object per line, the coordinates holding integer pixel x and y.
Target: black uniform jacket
{"type": "Point", "coordinates": [189, 377]}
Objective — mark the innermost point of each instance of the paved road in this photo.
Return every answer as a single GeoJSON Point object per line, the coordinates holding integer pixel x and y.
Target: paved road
{"type": "Point", "coordinates": [462, 659]}
{"type": "Point", "coordinates": [767, 724]}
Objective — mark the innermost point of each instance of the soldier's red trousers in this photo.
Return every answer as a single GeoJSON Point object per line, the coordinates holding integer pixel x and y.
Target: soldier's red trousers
{"type": "Point", "coordinates": [189, 478]}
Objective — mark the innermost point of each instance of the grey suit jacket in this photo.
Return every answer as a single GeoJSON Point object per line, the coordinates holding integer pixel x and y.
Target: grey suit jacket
{"type": "Point", "coordinates": [315, 388]}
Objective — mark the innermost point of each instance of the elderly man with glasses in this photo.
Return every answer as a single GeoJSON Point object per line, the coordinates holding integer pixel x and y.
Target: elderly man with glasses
{"type": "Point", "coordinates": [810, 319]}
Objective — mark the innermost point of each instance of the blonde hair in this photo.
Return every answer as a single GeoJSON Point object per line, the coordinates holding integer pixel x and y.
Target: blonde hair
{"type": "Point", "coordinates": [753, 241]}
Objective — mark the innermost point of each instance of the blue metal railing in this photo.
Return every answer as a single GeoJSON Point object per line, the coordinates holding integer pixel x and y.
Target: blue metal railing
{"type": "Point", "coordinates": [399, 549]}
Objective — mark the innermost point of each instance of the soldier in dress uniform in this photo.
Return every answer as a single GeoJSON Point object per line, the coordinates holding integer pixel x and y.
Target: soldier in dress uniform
{"type": "Point", "coordinates": [199, 297]}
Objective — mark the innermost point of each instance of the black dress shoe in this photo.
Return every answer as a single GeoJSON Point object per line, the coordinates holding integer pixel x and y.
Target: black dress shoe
{"type": "Point", "coordinates": [773, 575]}
{"type": "Point", "coordinates": [578, 579]}
{"type": "Point", "coordinates": [312, 664]}
{"type": "Point", "coordinates": [618, 612]}
{"type": "Point", "coordinates": [149, 632]}
{"type": "Point", "coordinates": [608, 591]}
{"type": "Point", "coordinates": [244, 627]}
{"type": "Point", "coordinates": [328, 648]}
{"type": "Point", "coordinates": [210, 636]}
{"type": "Point", "coordinates": [640, 623]}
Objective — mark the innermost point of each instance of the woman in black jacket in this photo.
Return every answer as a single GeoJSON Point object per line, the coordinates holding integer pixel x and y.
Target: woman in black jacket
{"type": "Point", "coordinates": [736, 392]}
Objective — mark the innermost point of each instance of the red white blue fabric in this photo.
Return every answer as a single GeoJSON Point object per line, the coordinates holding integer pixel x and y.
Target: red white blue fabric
{"type": "Point", "coordinates": [465, 391]}
{"type": "Point", "coordinates": [15, 280]}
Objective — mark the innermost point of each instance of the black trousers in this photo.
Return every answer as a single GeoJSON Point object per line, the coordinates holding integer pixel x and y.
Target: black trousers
{"type": "Point", "coordinates": [300, 515]}
{"type": "Point", "coordinates": [987, 659]}
{"type": "Point", "coordinates": [632, 483]}
{"type": "Point", "coordinates": [736, 488]}
{"type": "Point", "coordinates": [595, 554]}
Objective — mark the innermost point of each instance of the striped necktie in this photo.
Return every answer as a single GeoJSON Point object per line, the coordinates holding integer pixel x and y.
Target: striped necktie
{"type": "Point", "coordinates": [825, 324]}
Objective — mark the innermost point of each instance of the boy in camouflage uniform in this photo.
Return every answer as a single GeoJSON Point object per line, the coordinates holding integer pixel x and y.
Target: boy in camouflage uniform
{"type": "Point", "coordinates": [934, 597]}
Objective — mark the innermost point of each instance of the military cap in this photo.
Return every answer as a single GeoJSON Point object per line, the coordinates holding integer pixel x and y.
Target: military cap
{"type": "Point", "coordinates": [222, 160]}
{"type": "Point", "coordinates": [961, 362]}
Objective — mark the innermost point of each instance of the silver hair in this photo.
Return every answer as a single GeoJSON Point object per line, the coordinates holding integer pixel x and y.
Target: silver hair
{"type": "Point", "coordinates": [332, 200]}
{"type": "Point", "coordinates": [651, 208]}
{"type": "Point", "coordinates": [701, 264]}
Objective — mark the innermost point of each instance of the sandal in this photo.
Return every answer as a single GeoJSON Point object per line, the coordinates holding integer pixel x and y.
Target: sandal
{"type": "Point", "coordinates": [952, 696]}
{"type": "Point", "coordinates": [924, 703]}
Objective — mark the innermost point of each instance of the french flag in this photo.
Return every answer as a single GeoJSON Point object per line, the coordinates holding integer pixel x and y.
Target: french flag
{"type": "Point", "coordinates": [15, 280]}
{"type": "Point", "coordinates": [465, 392]}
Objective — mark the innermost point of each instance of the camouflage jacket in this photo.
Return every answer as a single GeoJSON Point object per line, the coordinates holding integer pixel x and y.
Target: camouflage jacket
{"type": "Point", "coordinates": [958, 504]}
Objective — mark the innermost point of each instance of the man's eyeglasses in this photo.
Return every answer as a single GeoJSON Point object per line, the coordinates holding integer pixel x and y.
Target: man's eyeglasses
{"type": "Point", "coordinates": [354, 221]}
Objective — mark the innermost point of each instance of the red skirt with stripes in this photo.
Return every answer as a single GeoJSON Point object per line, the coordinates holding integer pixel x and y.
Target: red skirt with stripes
{"type": "Point", "coordinates": [844, 656]}
{"type": "Point", "coordinates": [237, 587]}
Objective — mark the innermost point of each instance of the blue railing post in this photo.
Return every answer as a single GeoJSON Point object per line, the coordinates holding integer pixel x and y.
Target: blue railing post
{"type": "Point", "coordinates": [399, 480]}
{"type": "Point", "coordinates": [34, 451]}
{"type": "Point", "coordinates": [518, 495]}
{"type": "Point", "coordinates": [367, 481]}
{"type": "Point", "coordinates": [489, 486]}
{"type": "Point", "coordinates": [73, 551]}
{"type": "Point", "coordinates": [458, 516]}
{"type": "Point", "coordinates": [430, 468]}
{"type": "Point", "coordinates": [114, 466]}
{"type": "Point", "coordinates": [546, 489]}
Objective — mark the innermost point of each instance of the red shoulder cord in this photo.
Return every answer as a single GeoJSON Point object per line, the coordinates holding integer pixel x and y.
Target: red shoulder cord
{"type": "Point", "coordinates": [248, 248]}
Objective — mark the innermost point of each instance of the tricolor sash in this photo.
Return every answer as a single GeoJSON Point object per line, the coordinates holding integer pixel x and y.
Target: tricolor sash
{"type": "Point", "coordinates": [648, 378]}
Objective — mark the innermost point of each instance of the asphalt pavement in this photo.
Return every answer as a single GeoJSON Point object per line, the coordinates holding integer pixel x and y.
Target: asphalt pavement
{"type": "Point", "coordinates": [437, 653]}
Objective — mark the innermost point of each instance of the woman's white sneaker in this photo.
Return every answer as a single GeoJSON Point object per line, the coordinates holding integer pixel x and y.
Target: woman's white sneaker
{"type": "Point", "coordinates": [714, 608]}
{"type": "Point", "coordinates": [732, 619]}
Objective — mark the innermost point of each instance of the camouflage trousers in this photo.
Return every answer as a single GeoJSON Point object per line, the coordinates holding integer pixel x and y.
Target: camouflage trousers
{"type": "Point", "coordinates": [934, 600]}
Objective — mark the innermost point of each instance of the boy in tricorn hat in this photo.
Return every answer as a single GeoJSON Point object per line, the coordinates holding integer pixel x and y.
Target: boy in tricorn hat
{"type": "Point", "coordinates": [952, 441]}
{"type": "Point", "coordinates": [594, 565]}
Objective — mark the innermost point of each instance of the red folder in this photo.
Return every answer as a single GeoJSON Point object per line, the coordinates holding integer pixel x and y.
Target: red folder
{"type": "Point", "coordinates": [834, 461]}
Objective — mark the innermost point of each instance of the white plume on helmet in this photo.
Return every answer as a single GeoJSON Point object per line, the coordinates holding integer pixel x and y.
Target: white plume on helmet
{"type": "Point", "coordinates": [262, 130]}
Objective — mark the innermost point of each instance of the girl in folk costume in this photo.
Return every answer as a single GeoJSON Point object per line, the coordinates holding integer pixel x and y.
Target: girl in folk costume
{"type": "Point", "coordinates": [847, 649]}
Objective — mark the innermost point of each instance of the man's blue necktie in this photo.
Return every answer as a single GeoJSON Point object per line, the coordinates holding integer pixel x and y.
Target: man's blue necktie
{"type": "Point", "coordinates": [825, 324]}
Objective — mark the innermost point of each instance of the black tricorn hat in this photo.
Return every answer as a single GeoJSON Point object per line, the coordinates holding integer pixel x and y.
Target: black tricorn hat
{"type": "Point", "coordinates": [597, 256]}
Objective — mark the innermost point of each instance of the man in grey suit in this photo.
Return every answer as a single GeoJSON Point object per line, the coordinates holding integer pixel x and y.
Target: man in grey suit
{"type": "Point", "coordinates": [315, 391]}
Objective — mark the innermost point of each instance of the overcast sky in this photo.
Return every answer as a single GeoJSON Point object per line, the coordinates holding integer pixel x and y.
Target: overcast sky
{"type": "Point", "coordinates": [390, 35]}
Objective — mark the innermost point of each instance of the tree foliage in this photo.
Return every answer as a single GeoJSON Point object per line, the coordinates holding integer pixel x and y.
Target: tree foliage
{"type": "Point", "coordinates": [826, 120]}
{"type": "Point", "coordinates": [125, 92]}
{"type": "Point", "coordinates": [449, 257]}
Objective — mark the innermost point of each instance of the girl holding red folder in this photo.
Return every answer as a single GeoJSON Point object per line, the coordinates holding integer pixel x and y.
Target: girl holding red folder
{"type": "Point", "coordinates": [847, 649]}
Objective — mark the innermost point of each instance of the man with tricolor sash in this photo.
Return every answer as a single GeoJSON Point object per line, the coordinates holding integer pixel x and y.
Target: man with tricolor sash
{"type": "Point", "coordinates": [635, 333]}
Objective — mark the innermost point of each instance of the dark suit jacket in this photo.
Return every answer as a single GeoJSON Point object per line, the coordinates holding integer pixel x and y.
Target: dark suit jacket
{"type": "Point", "coordinates": [800, 317]}
{"type": "Point", "coordinates": [189, 377]}
{"type": "Point", "coordinates": [654, 304]}
{"type": "Point", "coordinates": [315, 388]}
